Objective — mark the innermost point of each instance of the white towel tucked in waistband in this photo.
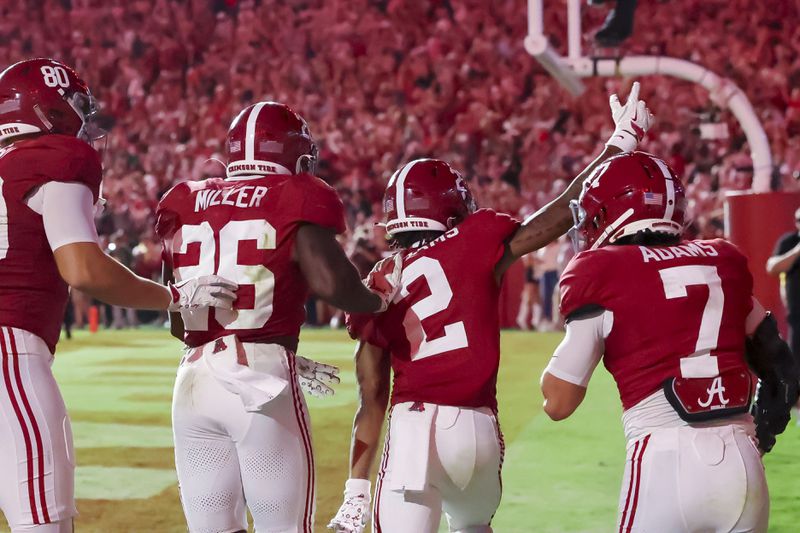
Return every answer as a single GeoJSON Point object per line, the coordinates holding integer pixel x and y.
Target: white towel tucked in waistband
{"type": "Point", "coordinates": [256, 389]}
{"type": "Point", "coordinates": [410, 441]}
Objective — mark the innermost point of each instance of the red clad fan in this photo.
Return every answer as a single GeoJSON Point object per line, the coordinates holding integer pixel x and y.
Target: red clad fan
{"type": "Point", "coordinates": [241, 428]}
{"type": "Point", "coordinates": [50, 183]}
{"type": "Point", "coordinates": [441, 337]}
{"type": "Point", "coordinates": [676, 349]}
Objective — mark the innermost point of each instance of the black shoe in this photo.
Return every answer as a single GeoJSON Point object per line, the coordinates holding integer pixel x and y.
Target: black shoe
{"type": "Point", "coordinates": [618, 25]}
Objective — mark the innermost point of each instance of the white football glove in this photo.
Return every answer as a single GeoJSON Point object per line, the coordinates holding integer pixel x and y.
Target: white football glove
{"type": "Point", "coordinates": [385, 279]}
{"type": "Point", "coordinates": [203, 291]}
{"type": "Point", "coordinates": [354, 512]}
{"type": "Point", "coordinates": [631, 120]}
{"type": "Point", "coordinates": [316, 378]}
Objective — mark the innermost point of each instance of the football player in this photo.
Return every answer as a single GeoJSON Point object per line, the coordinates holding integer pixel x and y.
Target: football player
{"type": "Point", "coordinates": [241, 428]}
{"type": "Point", "coordinates": [441, 337]}
{"type": "Point", "coordinates": [670, 319]}
{"type": "Point", "coordinates": [49, 185]}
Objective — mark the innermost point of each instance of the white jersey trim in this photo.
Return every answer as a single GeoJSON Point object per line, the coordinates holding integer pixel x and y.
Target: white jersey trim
{"type": "Point", "coordinates": [67, 210]}
{"type": "Point", "coordinates": [580, 352]}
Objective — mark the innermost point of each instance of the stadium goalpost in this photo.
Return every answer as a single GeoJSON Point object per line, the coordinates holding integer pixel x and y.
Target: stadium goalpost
{"type": "Point", "coordinates": [569, 71]}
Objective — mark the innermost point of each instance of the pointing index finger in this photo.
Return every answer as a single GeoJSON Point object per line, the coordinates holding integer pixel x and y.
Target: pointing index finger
{"type": "Point", "coordinates": [634, 94]}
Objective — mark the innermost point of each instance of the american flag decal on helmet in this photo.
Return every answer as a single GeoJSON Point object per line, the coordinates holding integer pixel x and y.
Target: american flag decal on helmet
{"type": "Point", "coordinates": [653, 198]}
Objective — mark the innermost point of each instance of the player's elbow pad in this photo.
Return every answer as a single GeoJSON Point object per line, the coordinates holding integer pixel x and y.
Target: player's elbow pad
{"type": "Point", "coordinates": [768, 354]}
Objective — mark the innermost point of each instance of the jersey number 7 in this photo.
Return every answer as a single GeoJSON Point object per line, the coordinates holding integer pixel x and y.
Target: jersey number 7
{"type": "Point", "coordinates": [676, 280]}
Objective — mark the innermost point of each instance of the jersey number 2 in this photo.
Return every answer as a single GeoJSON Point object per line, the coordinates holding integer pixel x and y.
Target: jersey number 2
{"type": "Point", "coordinates": [224, 249]}
{"type": "Point", "coordinates": [455, 335]}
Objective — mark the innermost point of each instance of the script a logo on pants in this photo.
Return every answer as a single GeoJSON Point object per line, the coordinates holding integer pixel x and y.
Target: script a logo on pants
{"type": "Point", "coordinates": [717, 390]}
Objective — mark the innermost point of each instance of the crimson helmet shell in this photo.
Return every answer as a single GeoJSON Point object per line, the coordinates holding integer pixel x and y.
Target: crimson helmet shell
{"type": "Point", "coordinates": [269, 138]}
{"type": "Point", "coordinates": [46, 96]}
{"type": "Point", "coordinates": [627, 194]}
{"type": "Point", "coordinates": [426, 195]}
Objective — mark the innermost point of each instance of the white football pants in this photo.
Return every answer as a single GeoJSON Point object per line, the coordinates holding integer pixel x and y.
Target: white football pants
{"type": "Point", "coordinates": [37, 463]}
{"type": "Point", "coordinates": [694, 480]}
{"type": "Point", "coordinates": [230, 459]}
{"type": "Point", "coordinates": [438, 458]}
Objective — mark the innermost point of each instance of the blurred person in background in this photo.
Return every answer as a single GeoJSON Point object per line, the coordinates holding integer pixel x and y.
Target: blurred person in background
{"type": "Point", "coordinates": [547, 265]}
{"type": "Point", "coordinates": [119, 248]}
{"type": "Point", "coordinates": [784, 263]}
{"type": "Point", "coordinates": [530, 309]}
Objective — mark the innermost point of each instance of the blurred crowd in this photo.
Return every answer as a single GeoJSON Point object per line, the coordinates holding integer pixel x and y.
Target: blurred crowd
{"type": "Point", "coordinates": [385, 81]}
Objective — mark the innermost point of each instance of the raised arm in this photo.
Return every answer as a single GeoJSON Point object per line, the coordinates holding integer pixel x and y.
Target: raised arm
{"type": "Point", "coordinates": [332, 276]}
{"type": "Point", "coordinates": [372, 372]}
{"type": "Point", "coordinates": [553, 220]}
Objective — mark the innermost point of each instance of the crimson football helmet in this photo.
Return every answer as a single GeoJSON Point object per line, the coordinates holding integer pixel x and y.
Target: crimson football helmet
{"type": "Point", "coordinates": [270, 138]}
{"type": "Point", "coordinates": [426, 195]}
{"type": "Point", "coordinates": [627, 194]}
{"type": "Point", "coordinates": [46, 96]}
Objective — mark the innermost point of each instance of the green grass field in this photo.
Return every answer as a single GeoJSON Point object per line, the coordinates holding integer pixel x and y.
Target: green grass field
{"type": "Point", "coordinates": [557, 478]}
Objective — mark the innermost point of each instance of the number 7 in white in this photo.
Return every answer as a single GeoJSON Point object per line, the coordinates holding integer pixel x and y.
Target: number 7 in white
{"type": "Point", "coordinates": [676, 279]}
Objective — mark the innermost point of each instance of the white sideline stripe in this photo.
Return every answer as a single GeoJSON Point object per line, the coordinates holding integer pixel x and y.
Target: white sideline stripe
{"type": "Point", "coordinates": [250, 132]}
{"type": "Point", "coordinates": [670, 189]}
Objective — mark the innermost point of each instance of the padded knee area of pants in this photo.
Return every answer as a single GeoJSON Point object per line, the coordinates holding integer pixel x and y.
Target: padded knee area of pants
{"type": "Point", "coordinates": [204, 457]}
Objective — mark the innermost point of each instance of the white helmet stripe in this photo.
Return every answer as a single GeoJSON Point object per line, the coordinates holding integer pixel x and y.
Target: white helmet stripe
{"type": "Point", "coordinates": [250, 133]}
{"type": "Point", "coordinates": [400, 196]}
{"type": "Point", "coordinates": [611, 228]}
{"type": "Point", "coordinates": [670, 208]}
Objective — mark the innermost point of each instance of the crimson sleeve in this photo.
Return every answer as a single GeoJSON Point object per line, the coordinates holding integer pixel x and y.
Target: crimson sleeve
{"type": "Point", "coordinates": [318, 203]}
{"type": "Point", "coordinates": [491, 230]}
{"type": "Point", "coordinates": [168, 219]}
{"type": "Point", "coordinates": [579, 284]}
{"type": "Point", "coordinates": [365, 327]}
{"type": "Point", "coordinates": [745, 278]}
{"type": "Point", "coordinates": [64, 159]}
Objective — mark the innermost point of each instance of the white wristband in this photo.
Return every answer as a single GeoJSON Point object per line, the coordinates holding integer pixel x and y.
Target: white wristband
{"type": "Point", "coordinates": [355, 487]}
{"type": "Point", "coordinates": [623, 140]}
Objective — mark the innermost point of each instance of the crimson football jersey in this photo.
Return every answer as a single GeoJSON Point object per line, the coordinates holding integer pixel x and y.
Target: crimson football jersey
{"type": "Point", "coordinates": [33, 296]}
{"type": "Point", "coordinates": [669, 303]}
{"type": "Point", "coordinates": [443, 328]}
{"type": "Point", "coordinates": [244, 230]}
